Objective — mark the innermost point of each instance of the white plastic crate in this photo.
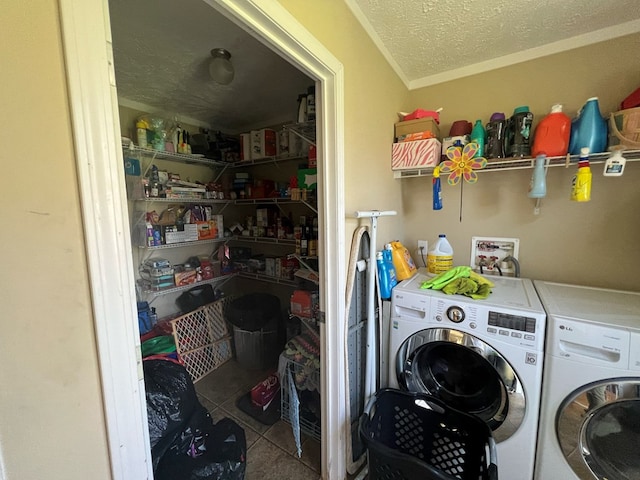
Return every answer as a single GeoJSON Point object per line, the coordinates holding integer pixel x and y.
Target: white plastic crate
{"type": "Point", "coordinates": [203, 341]}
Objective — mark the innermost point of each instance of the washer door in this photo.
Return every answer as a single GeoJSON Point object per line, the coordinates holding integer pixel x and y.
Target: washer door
{"type": "Point", "coordinates": [466, 373]}
{"type": "Point", "coordinates": [598, 428]}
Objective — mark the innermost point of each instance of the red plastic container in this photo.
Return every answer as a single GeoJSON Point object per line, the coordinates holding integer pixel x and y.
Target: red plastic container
{"type": "Point", "coordinates": [552, 134]}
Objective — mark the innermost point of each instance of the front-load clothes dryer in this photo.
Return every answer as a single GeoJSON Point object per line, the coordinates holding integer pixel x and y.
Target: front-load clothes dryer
{"type": "Point", "coordinates": [484, 357]}
{"type": "Point", "coordinates": [590, 415]}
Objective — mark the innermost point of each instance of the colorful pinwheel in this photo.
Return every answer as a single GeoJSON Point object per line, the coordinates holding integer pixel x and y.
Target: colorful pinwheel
{"type": "Point", "coordinates": [462, 164]}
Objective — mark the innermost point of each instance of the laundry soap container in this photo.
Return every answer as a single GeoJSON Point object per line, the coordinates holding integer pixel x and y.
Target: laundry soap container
{"type": "Point", "coordinates": [256, 325]}
{"type": "Point", "coordinates": [440, 257]}
{"type": "Point", "coordinates": [552, 134]}
{"type": "Point", "coordinates": [402, 261]}
{"type": "Point", "coordinates": [588, 129]}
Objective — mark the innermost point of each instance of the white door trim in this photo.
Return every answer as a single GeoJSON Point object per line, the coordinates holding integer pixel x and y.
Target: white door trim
{"type": "Point", "coordinates": [87, 48]}
{"type": "Point", "coordinates": [96, 131]}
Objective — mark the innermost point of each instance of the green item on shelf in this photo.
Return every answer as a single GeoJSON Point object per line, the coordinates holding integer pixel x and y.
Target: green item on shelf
{"type": "Point", "coordinates": [156, 345]}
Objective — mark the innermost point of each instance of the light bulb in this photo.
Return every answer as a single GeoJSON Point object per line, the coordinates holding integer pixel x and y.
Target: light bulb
{"type": "Point", "coordinates": [220, 68]}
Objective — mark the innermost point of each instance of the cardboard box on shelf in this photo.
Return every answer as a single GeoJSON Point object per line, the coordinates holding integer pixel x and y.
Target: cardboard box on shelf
{"type": "Point", "coordinates": [245, 146]}
{"type": "Point", "coordinates": [185, 278]}
{"type": "Point", "coordinates": [307, 178]}
{"type": "Point", "coordinates": [449, 141]}
{"type": "Point", "coordinates": [219, 222]}
{"type": "Point", "coordinates": [189, 234]}
{"type": "Point", "coordinates": [304, 303]}
{"type": "Point", "coordinates": [427, 124]}
{"type": "Point", "coordinates": [264, 143]}
{"type": "Point", "coordinates": [207, 230]}
{"type": "Point", "coordinates": [418, 154]}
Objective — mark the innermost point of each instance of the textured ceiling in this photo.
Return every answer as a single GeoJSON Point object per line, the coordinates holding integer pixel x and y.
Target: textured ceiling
{"type": "Point", "coordinates": [162, 52]}
{"type": "Point", "coordinates": [162, 49]}
{"type": "Point", "coordinates": [432, 41]}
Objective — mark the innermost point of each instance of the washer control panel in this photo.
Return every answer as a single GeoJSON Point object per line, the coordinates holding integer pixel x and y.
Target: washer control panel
{"type": "Point", "coordinates": [507, 326]}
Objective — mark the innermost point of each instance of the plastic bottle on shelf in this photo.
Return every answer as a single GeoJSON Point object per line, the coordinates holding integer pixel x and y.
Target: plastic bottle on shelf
{"type": "Point", "coordinates": [581, 183]}
{"type": "Point", "coordinates": [478, 135]}
{"type": "Point", "coordinates": [538, 186]}
{"type": "Point", "coordinates": [494, 147]}
{"type": "Point", "coordinates": [614, 166]}
{"type": "Point", "coordinates": [588, 129]}
{"type": "Point", "coordinates": [552, 134]}
{"type": "Point", "coordinates": [302, 108]}
{"type": "Point", "coordinates": [402, 261]}
{"type": "Point", "coordinates": [440, 257]}
{"type": "Point", "coordinates": [518, 131]}
{"type": "Point", "coordinates": [141, 134]}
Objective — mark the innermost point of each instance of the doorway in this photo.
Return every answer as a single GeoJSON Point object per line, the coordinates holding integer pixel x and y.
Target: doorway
{"type": "Point", "coordinates": [93, 104]}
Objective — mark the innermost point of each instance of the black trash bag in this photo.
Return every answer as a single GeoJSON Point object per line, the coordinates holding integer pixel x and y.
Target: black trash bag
{"type": "Point", "coordinates": [171, 402]}
{"type": "Point", "coordinates": [253, 311]}
{"type": "Point", "coordinates": [205, 451]}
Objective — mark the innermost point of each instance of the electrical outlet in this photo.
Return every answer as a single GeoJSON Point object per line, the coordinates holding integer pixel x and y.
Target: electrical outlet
{"type": "Point", "coordinates": [423, 244]}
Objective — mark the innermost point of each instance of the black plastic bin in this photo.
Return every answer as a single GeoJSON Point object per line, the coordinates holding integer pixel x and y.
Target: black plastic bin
{"type": "Point", "coordinates": [415, 436]}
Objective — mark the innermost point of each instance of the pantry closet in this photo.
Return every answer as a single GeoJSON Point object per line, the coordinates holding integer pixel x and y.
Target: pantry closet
{"type": "Point", "coordinates": [324, 74]}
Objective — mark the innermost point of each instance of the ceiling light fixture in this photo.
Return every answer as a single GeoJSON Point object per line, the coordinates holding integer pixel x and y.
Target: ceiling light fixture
{"type": "Point", "coordinates": [220, 68]}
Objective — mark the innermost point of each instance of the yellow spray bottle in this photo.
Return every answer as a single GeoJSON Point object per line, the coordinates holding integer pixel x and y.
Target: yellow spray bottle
{"type": "Point", "coordinates": [581, 183]}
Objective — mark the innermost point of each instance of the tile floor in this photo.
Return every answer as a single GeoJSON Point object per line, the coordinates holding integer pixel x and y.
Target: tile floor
{"type": "Point", "coordinates": [271, 450]}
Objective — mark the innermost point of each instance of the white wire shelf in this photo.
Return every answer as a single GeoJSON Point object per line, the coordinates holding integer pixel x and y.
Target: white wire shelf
{"type": "Point", "coordinates": [503, 164]}
{"type": "Point", "coordinates": [267, 278]}
{"type": "Point", "coordinates": [265, 240]}
{"type": "Point", "coordinates": [305, 130]}
{"type": "Point", "coordinates": [183, 244]}
{"type": "Point", "coordinates": [267, 160]}
{"type": "Point", "coordinates": [153, 294]}
{"type": "Point", "coordinates": [174, 157]}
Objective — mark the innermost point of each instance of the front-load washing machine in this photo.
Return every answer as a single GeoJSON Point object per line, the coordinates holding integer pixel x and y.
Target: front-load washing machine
{"type": "Point", "coordinates": [590, 414]}
{"type": "Point", "coordinates": [484, 357]}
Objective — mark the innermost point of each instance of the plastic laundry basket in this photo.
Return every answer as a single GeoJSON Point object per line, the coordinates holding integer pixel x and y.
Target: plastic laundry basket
{"type": "Point", "coordinates": [415, 436]}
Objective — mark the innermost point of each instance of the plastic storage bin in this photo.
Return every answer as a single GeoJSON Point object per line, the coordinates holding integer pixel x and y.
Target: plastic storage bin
{"type": "Point", "coordinates": [415, 436]}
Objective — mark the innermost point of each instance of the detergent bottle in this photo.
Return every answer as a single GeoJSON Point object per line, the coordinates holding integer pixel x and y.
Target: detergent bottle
{"type": "Point", "coordinates": [402, 261]}
{"type": "Point", "coordinates": [517, 133]}
{"type": "Point", "coordinates": [581, 183]}
{"type": "Point", "coordinates": [478, 135]}
{"type": "Point", "coordinates": [386, 275]}
{"type": "Point", "coordinates": [588, 129]}
{"type": "Point", "coordinates": [552, 134]}
{"type": "Point", "coordinates": [538, 186]}
{"type": "Point", "coordinates": [440, 257]}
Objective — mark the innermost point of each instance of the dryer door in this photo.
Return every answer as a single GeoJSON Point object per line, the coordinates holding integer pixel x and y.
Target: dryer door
{"type": "Point", "coordinates": [466, 373]}
{"type": "Point", "coordinates": [598, 428]}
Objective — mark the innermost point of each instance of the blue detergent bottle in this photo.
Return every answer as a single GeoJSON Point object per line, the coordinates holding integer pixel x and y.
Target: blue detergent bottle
{"type": "Point", "coordinates": [383, 277]}
{"type": "Point", "coordinates": [386, 273]}
{"type": "Point", "coordinates": [588, 129]}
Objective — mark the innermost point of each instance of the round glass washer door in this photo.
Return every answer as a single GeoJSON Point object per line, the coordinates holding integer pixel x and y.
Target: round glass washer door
{"type": "Point", "coordinates": [598, 429]}
{"type": "Point", "coordinates": [466, 373]}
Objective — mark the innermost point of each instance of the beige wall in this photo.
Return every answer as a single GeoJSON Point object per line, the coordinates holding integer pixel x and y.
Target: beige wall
{"type": "Point", "coordinates": [593, 243]}
{"type": "Point", "coordinates": [373, 95]}
{"type": "Point", "coordinates": [51, 418]}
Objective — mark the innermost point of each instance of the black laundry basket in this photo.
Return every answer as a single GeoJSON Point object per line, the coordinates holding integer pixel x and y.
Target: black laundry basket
{"type": "Point", "coordinates": [414, 436]}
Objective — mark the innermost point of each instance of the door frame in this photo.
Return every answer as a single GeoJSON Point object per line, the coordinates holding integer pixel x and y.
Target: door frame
{"type": "Point", "coordinates": [93, 104]}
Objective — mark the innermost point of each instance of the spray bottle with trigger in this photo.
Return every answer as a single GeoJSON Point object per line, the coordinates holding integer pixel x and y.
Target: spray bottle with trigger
{"type": "Point", "coordinates": [437, 189]}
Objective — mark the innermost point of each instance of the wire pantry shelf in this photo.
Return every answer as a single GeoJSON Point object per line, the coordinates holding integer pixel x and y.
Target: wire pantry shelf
{"type": "Point", "coordinates": [522, 163]}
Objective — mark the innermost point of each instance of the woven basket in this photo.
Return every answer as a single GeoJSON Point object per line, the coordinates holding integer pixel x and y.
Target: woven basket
{"type": "Point", "coordinates": [624, 129]}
